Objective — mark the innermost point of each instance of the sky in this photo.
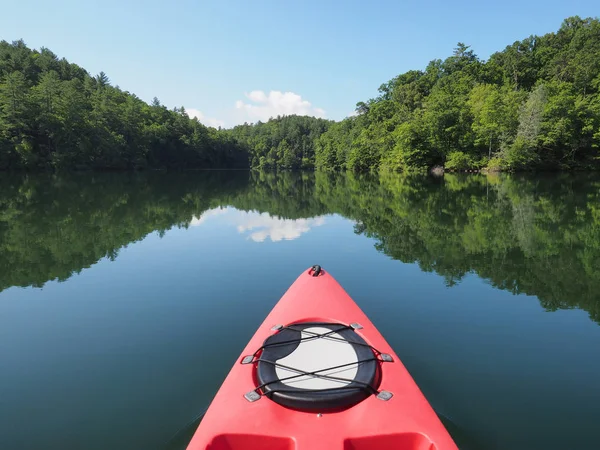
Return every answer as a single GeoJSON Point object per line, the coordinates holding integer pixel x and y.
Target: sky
{"type": "Point", "coordinates": [233, 61]}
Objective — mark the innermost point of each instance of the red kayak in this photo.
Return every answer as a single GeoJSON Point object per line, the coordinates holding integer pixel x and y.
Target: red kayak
{"type": "Point", "coordinates": [318, 375]}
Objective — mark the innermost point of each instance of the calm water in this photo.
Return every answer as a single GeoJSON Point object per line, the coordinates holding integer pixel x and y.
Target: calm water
{"type": "Point", "coordinates": [125, 299]}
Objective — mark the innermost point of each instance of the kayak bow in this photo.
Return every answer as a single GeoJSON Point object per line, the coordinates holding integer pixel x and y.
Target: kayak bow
{"type": "Point", "coordinates": [318, 375]}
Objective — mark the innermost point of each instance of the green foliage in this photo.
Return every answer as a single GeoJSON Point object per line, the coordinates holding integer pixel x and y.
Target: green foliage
{"type": "Point", "coordinates": [533, 105]}
{"type": "Point", "coordinates": [530, 115]}
{"type": "Point", "coordinates": [411, 150]}
{"type": "Point", "coordinates": [54, 115]}
{"type": "Point", "coordinates": [281, 143]}
{"type": "Point", "coordinates": [332, 147]}
{"type": "Point", "coordinates": [520, 155]}
{"type": "Point", "coordinates": [495, 116]}
{"type": "Point", "coordinates": [458, 161]}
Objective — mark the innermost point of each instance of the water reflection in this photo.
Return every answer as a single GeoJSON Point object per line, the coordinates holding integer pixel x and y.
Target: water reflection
{"type": "Point", "coordinates": [206, 215]}
{"type": "Point", "coordinates": [263, 226]}
{"type": "Point", "coordinates": [535, 235]}
{"type": "Point", "coordinates": [259, 227]}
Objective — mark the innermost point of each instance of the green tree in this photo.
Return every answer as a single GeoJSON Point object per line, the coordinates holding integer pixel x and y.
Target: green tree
{"type": "Point", "coordinates": [488, 113]}
{"type": "Point", "coordinates": [532, 105]}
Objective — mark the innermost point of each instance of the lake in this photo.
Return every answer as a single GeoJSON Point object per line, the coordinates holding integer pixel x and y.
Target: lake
{"type": "Point", "coordinates": [126, 298]}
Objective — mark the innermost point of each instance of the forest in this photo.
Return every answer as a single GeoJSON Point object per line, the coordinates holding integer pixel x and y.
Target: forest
{"type": "Point", "coordinates": [54, 115]}
{"type": "Point", "coordinates": [281, 143]}
{"type": "Point", "coordinates": [533, 105]}
{"type": "Point", "coordinates": [539, 236]}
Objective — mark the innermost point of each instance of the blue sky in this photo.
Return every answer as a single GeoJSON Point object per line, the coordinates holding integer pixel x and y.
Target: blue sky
{"type": "Point", "coordinates": [232, 61]}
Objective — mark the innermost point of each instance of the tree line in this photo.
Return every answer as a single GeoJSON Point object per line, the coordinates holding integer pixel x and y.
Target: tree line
{"type": "Point", "coordinates": [53, 114]}
{"type": "Point", "coordinates": [533, 105]}
{"type": "Point", "coordinates": [536, 104]}
{"type": "Point", "coordinates": [286, 142]}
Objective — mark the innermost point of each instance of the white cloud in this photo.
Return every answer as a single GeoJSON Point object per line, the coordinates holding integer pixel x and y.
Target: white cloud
{"type": "Point", "coordinates": [263, 226]}
{"type": "Point", "coordinates": [263, 106]}
{"type": "Point", "coordinates": [197, 221]}
{"type": "Point", "coordinates": [209, 121]}
{"type": "Point", "coordinates": [260, 227]}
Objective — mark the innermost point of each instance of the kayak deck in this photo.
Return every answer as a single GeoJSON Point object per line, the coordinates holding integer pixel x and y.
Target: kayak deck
{"type": "Point", "coordinates": [395, 415]}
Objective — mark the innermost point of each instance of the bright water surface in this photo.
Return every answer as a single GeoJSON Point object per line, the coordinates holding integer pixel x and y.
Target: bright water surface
{"type": "Point", "coordinates": [126, 298]}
